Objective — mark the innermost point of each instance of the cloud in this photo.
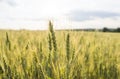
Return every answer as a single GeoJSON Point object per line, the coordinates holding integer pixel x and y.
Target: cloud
{"type": "Point", "coordinates": [91, 15]}
{"type": "Point", "coordinates": [9, 2]}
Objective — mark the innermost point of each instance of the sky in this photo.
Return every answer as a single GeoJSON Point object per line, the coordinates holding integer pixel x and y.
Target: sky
{"type": "Point", "coordinates": [65, 14]}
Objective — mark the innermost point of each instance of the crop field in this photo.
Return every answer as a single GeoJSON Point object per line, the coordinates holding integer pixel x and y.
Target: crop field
{"type": "Point", "coordinates": [54, 54]}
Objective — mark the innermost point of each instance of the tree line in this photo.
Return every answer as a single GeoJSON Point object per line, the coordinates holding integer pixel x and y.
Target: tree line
{"type": "Point", "coordinates": [105, 29]}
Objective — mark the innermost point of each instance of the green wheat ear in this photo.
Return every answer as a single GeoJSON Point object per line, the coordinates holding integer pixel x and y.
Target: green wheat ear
{"type": "Point", "coordinates": [50, 47]}
{"type": "Point", "coordinates": [8, 43]}
{"type": "Point", "coordinates": [68, 47]}
{"type": "Point", "coordinates": [52, 33]}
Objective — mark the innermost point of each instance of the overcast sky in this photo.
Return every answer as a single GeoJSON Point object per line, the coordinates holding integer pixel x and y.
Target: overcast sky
{"type": "Point", "coordinates": [34, 14]}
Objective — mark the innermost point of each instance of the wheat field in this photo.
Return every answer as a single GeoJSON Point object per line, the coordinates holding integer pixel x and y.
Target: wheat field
{"type": "Point", "coordinates": [59, 54]}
